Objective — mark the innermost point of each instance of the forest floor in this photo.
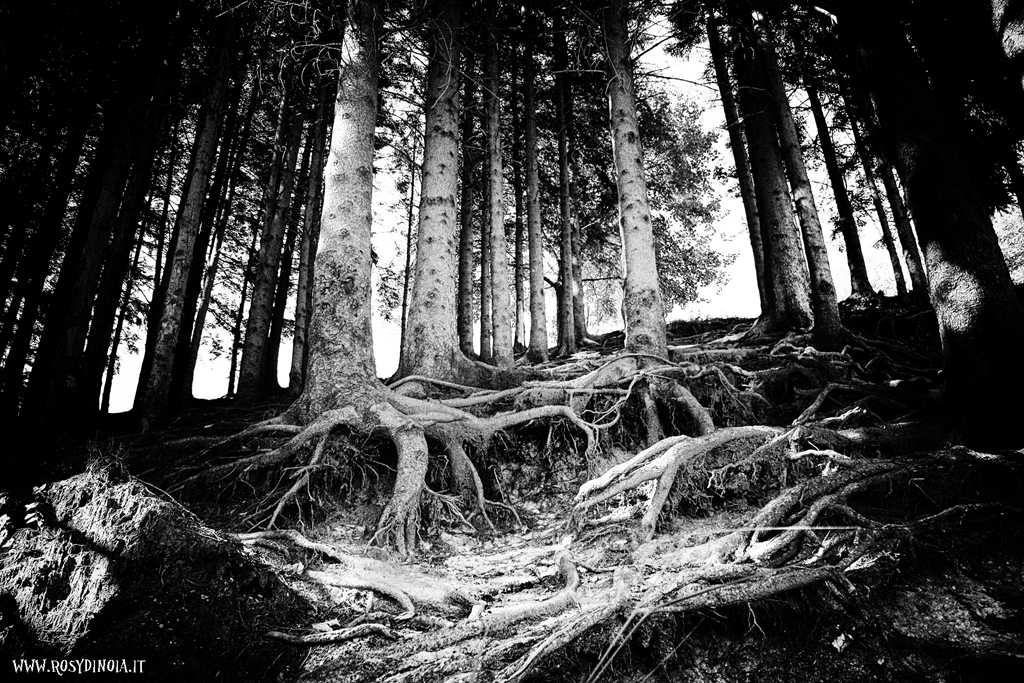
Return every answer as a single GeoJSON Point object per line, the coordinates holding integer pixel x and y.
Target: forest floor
{"type": "Point", "coordinates": [821, 529]}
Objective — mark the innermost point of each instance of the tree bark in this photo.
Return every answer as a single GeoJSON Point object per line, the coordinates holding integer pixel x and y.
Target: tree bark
{"type": "Point", "coordinates": [859, 283]}
{"type": "Point", "coordinates": [432, 345]}
{"type": "Point", "coordinates": [883, 218]}
{"type": "Point", "coordinates": [739, 153]}
{"type": "Point", "coordinates": [519, 276]}
{"type": "Point", "coordinates": [310, 234]}
{"type": "Point", "coordinates": [342, 370]}
{"type": "Point", "coordinates": [464, 320]}
{"type": "Point", "coordinates": [252, 370]}
{"type": "Point", "coordinates": [538, 349]}
{"type": "Point", "coordinates": [981, 322]}
{"type": "Point", "coordinates": [156, 398]}
{"type": "Point", "coordinates": [828, 328]}
{"type": "Point", "coordinates": [642, 305]}
{"type": "Point", "coordinates": [501, 305]}
{"type": "Point", "coordinates": [566, 323]}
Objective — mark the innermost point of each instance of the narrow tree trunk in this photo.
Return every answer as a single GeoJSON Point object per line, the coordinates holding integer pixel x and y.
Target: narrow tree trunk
{"type": "Point", "coordinates": [122, 312]}
{"type": "Point", "coordinates": [35, 265]}
{"type": "Point", "coordinates": [883, 218]}
{"type": "Point", "coordinates": [156, 397]}
{"type": "Point", "coordinates": [739, 153]}
{"type": "Point", "coordinates": [642, 303]}
{"type": "Point", "coordinates": [520, 221]}
{"type": "Point", "coordinates": [310, 234]}
{"type": "Point", "coordinates": [469, 159]}
{"type": "Point", "coordinates": [501, 304]}
{"type": "Point", "coordinates": [252, 372]}
{"type": "Point", "coordinates": [981, 321]}
{"type": "Point", "coordinates": [566, 322]}
{"type": "Point", "coordinates": [486, 327]}
{"type": "Point", "coordinates": [538, 349]}
{"type": "Point", "coordinates": [222, 219]}
{"type": "Point", "coordinates": [859, 283]}
{"type": "Point", "coordinates": [407, 274]}
{"type": "Point", "coordinates": [786, 268]}
{"type": "Point", "coordinates": [236, 332]}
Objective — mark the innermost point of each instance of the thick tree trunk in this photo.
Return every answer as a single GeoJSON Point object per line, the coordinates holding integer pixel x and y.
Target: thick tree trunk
{"type": "Point", "coordinates": [538, 349]}
{"type": "Point", "coordinates": [642, 305]}
{"type": "Point", "coordinates": [156, 398]}
{"type": "Point", "coordinates": [310, 234]}
{"type": "Point", "coordinates": [252, 371]}
{"type": "Point", "coordinates": [501, 304]}
{"type": "Point", "coordinates": [859, 283]}
{"type": "Point", "coordinates": [486, 326]}
{"type": "Point", "coordinates": [432, 345]}
{"type": "Point", "coordinates": [786, 268]}
{"type": "Point", "coordinates": [883, 218]}
{"type": "Point", "coordinates": [981, 322]}
{"type": "Point", "coordinates": [519, 275]}
{"type": "Point", "coordinates": [828, 329]}
{"type": "Point", "coordinates": [566, 323]}
{"type": "Point", "coordinates": [739, 153]}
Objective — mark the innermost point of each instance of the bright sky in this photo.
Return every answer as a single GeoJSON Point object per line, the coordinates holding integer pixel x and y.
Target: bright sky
{"type": "Point", "coordinates": [734, 295]}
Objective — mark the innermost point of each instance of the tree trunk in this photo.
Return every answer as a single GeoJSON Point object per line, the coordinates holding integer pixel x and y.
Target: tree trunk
{"type": "Point", "coordinates": [486, 327]}
{"type": "Point", "coordinates": [788, 289]}
{"type": "Point", "coordinates": [566, 323]}
{"type": "Point", "coordinates": [520, 223]}
{"type": "Point", "coordinates": [432, 345]}
{"type": "Point", "coordinates": [33, 268]}
{"type": "Point", "coordinates": [342, 370]}
{"type": "Point", "coordinates": [469, 158]}
{"type": "Point", "coordinates": [122, 311]}
{"type": "Point", "coordinates": [739, 153]}
{"type": "Point", "coordinates": [252, 372]}
{"type": "Point", "coordinates": [538, 349]}
{"type": "Point", "coordinates": [828, 329]}
{"type": "Point", "coordinates": [223, 217]}
{"type": "Point", "coordinates": [883, 218]}
{"type": "Point", "coordinates": [236, 331]}
{"type": "Point", "coordinates": [859, 283]}
{"type": "Point", "coordinates": [501, 304]}
{"type": "Point", "coordinates": [409, 234]}
{"type": "Point", "coordinates": [156, 398]}
{"type": "Point", "coordinates": [310, 233]}
{"type": "Point", "coordinates": [981, 322]}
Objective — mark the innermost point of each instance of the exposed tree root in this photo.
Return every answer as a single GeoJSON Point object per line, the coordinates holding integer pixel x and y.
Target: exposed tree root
{"type": "Point", "coordinates": [338, 636]}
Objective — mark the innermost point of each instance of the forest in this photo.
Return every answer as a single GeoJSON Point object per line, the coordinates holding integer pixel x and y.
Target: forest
{"type": "Point", "coordinates": [828, 491]}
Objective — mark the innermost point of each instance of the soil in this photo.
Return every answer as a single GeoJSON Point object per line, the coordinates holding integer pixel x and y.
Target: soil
{"type": "Point", "coordinates": [553, 592]}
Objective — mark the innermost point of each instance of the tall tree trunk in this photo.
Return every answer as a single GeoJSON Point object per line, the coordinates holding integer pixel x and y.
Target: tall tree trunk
{"type": "Point", "coordinates": [58, 363]}
{"type": "Point", "coordinates": [341, 362]}
{"type": "Point", "coordinates": [981, 321]}
{"type": "Point", "coordinates": [883, 218]}
{"type": "Point", "coordinates": [828, 328]}
{"type": "Point", "coordinates": [501, 304]}
{"type": "Point", "coordinates": [739, 153]}
{"type": "Point", "coordinates": [33, 268]}
{"type": "Point", "coordinates": [538, 349]}
{"type": "Point", "coordinates": [122, 313]}
{"type": "Point", "coordinates": [108, 298]}
{"type": "Point", "coordinates": [236, 330]}
{"type": "Point", "coordinates": [788, 288]}
{"type": "Point", "coordinates": [222, 218]}
{"type": "Point", "coordinates": [156, 398]}
{"type": "Point", "coordinates": [486, 326]}
{"type": "Point", "coordinates": [251, 376]}
{"type": "Point", "coordinates": [642, 303]}
{"type": "Point", "coordinates": [519, 276]}
{"type": "Point", "coordinates": [566, 322]}
{"type": "Point", "coordinates": [859, 283]}
{"type": "Point", "coordinates": [432, 345]}
{"type": "Point", "coordinates": [409, 233]}
{"type": "Point", "coordinates": [310, 233]}
{"type": "Point", "coordinates": [464, 320]}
